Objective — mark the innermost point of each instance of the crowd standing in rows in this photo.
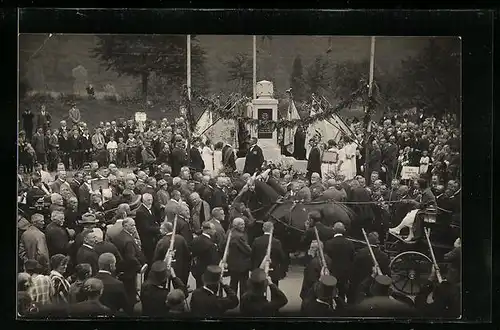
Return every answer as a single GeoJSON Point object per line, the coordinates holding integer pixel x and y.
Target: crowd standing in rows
{"type": "Point", "coordinates": [81, 247]}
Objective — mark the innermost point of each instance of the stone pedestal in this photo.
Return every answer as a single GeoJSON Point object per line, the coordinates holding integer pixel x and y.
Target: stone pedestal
{"type": "Point", "coordinates": [265, 107]}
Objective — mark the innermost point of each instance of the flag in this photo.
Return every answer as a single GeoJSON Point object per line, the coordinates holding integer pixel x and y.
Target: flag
{"type": "Point", "coordinates": [292, 114]}
{"type": "Point", "coordinates": [317, 129]}
{"type": "Point", "coordinates": [203, 123]}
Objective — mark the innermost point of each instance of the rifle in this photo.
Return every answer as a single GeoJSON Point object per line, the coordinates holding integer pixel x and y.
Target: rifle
{"type": "Point", "coordinates": [169, 256]}
{"type": "Point", "coordinates": [436, 266]}
{"type": "Point", "coordinates": [324, 266]}
{"type": "Point", "coordinates": [375, 262]}
{"type": "Point", "coordinates": [266, 263]}
{"type": "Point", "coordinates": [222, 263]}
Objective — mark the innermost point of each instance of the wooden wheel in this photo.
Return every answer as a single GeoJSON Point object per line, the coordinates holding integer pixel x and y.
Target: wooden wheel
{"type": "Point", "coordinates": [410, 271]}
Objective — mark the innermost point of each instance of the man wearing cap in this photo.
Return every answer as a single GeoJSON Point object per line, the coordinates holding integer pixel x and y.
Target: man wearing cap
{"type": "Point", "coordinates": [204, 252]}
{"type": "Point", "coordinates": [341, 252]}
{"type": "Point", "coordinates": [182, 254]}
{"type": "Point", "coordinates": [324, 300]}
{"type": "Point", "coordinates": [205, 301]}
{"type": "Point", "coordinates": [114, 295]}
{"type": "Point", "coordinates": [58, 239]}
{"type": "Point", "coordinates": [92, 307]}
{"type": "Point", "coordinates": [362, 267]}
{"type": "Point", "coordinates": [279, 260]}
{"type": "Point", "coordinates": [133, 258]}
{"type": "Point", "coordinates": [155, 289]}
{"type": "Point", "coordinates": [33, 244]}
{"type": "Point", "coordinates": [254, 301]}
{"type": "Point", "coordinates": [88, 222]}
{"type": "Point", "coordinates": [380, 303]}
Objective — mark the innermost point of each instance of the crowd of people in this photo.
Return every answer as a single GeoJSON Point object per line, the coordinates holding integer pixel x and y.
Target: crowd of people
{"type": "Point", "coordinates": [96, 243]}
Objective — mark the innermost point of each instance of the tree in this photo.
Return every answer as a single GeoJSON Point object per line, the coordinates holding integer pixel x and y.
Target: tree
{"type": "Point", "coordinates": [297, 82]}
{"type": "Point", "coordinates": [142, 55]}
{"type": "Point", "coordinates": [348, 77]}
{"type": "Point", "coordinates": [431, 79]}
{"type": "Point", "coordinates": [240, 71]}
{"type": "Point", "coordinates": [318, 75]}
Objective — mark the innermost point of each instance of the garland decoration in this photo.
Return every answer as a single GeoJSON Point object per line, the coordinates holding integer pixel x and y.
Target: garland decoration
{"type": "Point", "coordinates": [233, 110]}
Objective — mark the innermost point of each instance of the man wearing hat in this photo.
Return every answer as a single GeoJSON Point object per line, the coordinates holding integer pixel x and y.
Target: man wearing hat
{"type": "Point", "coordinates": [88, 222]}
{"type": "Point", "coordinates": [314, 159]}
{"type": "Point", "coordinates": [324, 300]}
{"type": "Point", "coordinates": [182, 254]}
{"type": "Point", "coordinates": [362, 266]}
{"type": "Point", "coordinates": [279, 260]}
{"type": "Point", "coordinates": [381, 303]}
{"type": "Point", "coordinates": [155, 289]}
{"type": "Point", "coordinates": [205, 301]}
{"type": "Point", "coordinates": [204, 252]}
{"type": "Point", "coordinates": [254, 301]}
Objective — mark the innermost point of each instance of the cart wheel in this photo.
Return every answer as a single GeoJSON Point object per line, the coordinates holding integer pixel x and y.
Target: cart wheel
{"type": "Point", "coordinates": [410, 271]}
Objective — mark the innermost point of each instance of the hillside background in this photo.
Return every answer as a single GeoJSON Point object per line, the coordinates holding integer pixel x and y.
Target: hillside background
{"type": "Point", "coordinates": [50, 70]}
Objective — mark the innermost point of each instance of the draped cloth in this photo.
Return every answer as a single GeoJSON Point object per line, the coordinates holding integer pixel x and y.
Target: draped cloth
{"type": "Point", "coordinates": [289, 139]}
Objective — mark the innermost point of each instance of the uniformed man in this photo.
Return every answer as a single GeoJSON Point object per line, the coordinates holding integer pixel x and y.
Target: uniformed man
{"type": "Point", "coordinates": [205, 301]}
{"type": "Point", "coordinates": [254, 301]}
{"type": "Point", "coordinates": [324, 300]}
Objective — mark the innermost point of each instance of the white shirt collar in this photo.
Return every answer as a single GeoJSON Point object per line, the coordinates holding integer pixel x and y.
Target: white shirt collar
{"type": "Point", "coordinates": [149, 209]}
{"type": "Point", "coordinates": [267, 233]}
{"type": "Point", "coordinates": [209, 290]}
{"type": "Point", "coordinates": [104, 272]}
{"type": "Point", "coordinates": [90, 247]}
{"type": "Point", "coordinates": [168, 234]}
{"type": "Point", "coordinates": [337, 235]}
{"type": "Point", "coordinates": [206, 235]}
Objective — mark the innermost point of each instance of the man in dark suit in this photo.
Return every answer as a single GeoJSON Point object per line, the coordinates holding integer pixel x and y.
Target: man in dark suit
{"type": "Point", "coordinates": [314, 269]}
{"type": "Point", "coordinates": [133, 258]}
{"type": "Point", "coordinates": [179, 158]}
{"type": "Point", "coordinates": [325, 233]}
{"type": "Point", "coordinates": [204, 252]}
{"type": "Point", "coordinates": [182, 255]}
{"type": "Point", "coordinates": [114, 295]}
{"type": "Point", "coordinates": [254, 301]}
{"type": "Point", "coordinates": [220, 199]}
{"type": "Point", "coordinates": [362, 266]}
{"type": "Point", "coordinates": [341, 252]}
{"type": "Point", "coordinates": [86, 253]}
{"type": "Point", "coordinates": [238, 259]}
{"type": "Point", "coordinates": [279, 260]}
{"type": "Point", "coordinates": [299, 143]}
{"type": "Point", "coordinates": [147, 227]}
{"type": "Point", "coordinates": [155, 289]}
{"type": "Point", "coordinates": [84, 193]}
{"type": "Point", "coordinates": [314, 159]}
{"type": "Point", "coordinates": [43, 119]}
{"type": "Point", "coordinates": [205, 301]}
{"type": "Point", "coordinates": [92, 307]}
{"type": "Point", "coordinates": [196, 162]}
{"type": "Point", "coordinates": [254, 158]}
{"type": "Point", "coordinates": [58, 240]}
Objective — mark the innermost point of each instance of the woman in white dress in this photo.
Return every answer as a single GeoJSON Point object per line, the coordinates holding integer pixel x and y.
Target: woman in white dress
{"type": "Point", "coordinates": [207, 155]}
{"type": "Point", "coordinates": [218, 157]}
{"type": "Point", "coordinates": [348, 168]}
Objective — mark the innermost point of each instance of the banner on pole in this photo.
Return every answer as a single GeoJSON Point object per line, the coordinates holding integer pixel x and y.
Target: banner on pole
{"type": "Point", "coordinates": [410, 172]}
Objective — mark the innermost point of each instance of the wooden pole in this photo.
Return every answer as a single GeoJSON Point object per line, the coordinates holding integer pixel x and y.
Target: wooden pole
{"type": "Point", "coordinates": [188, 84]}
{"type": "Point", "coordinates": [254, 67]}
{"type": "Point", "coordinates": [368, 111]}
{"type": "Point", "coordinates": [189, 66]}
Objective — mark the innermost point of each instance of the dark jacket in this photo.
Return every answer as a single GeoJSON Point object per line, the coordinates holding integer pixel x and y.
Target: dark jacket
{"type": "Point", "coordinates": [57, 239]}
{"type": "Point", "coordinates": [205, 303]}
{"type": "Point", "coordinates": [87, 255]}
{"type": "Point", "coordinates": [279, 264]}
{"type": "Point", "coordinates": [154, 298]}
{"type": "Point", "coordinates": [182, 255]}
{"type": "Point", "coordinates": [195, 160]}
{"type": "Point", "coordinates": [179, 159]}
{"type": "Point", "coordinates": [363, 263]}
{"type": "Point", "coordinates": [238, 259]}
{"type": "Point", "coordinates": [148, 230]}
{"type": "Point", "coordinates": [341, 252]}
{"type": "Point", "coordinates": [89, 308]}
{"type": "Point", "coordinates": [254, 160]}
{"type": "Point", "coordinates": [133, 258]}
{"type": "Point", "coordinates": [204, 252]}
{"type": "Point", "coordinates": [108, 247]}
{"type": "Point", "coordinates": [114, 296]}
{"type": "Point", "coordinates": [324, 232]}
{"type": "Point", "coordinates": [257, 305]}
{"type": "Point", "coordinates": [312, 273]}
{"type": "Point", "coordinates": [314, 161]}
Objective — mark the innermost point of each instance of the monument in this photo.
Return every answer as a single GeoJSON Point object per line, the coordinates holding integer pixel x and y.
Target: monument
{"type": "Point", "coordinates": [80, 83]}
{"type": "Point", "coordinates": [264, 108]}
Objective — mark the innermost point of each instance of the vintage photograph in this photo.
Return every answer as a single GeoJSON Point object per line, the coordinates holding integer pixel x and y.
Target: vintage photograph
{"type": "Point", "coordinates": [210, 176]}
